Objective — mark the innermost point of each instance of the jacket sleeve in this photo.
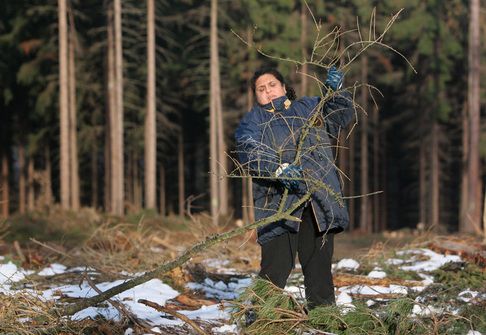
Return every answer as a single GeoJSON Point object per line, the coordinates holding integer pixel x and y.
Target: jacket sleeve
{"type": "Point", "coordinates": [338, 112]}
{"type": "Point", "coordinates": [253, 154]}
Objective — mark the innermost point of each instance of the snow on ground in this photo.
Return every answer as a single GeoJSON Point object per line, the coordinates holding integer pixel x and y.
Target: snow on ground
{"type": "Point", "coordinates": [420, 260]}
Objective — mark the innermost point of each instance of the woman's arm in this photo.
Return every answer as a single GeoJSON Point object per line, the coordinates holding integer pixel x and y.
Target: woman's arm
{"type": "Point", "coordinates": [253, 154]}
{"type": "Point", "coordinates": [338, 112]}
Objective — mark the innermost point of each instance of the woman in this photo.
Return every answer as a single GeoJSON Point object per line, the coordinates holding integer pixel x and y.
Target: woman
{"type": "Point", "coordinates": [267, 141]}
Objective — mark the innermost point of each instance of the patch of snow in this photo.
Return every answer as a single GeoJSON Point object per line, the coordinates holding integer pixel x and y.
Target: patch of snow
{"type": "Point", "coordinates": [211, 312]}
{"type": "Point", "coordinates": [128, 331]}
{"type": "Point", "coordinates": [220, 290]}
{"type": "Point", "coordinates": [395, 261]}
{"type": "Point", "coordinates": [52, 269]}
{"type": "Point", "coordinates": [225, 329]}
{"type": "Point", "coordinates": [377, 274]}
{"type": "Point", "coordinates": [374, 289]}
{"type": "Point", "coordinates": [347, 263]}
{"type": "Point", "coordinates": [473, 332]}
{"type": "Point", "coordinates": [434, 262]}
{"type": "Point", "coordinates": [467, 295]}
{"type": "Point", "coordinates": [82, 269]}
{"type": "Point", "coordinates": [296, 291]}
{"type": "Point", "coordinates": [419, 310]}
{"type": "Point", "coordinates": [370, 302]}
{"type": "Point", "coordinates": [344, 299]}
{"type": "Point", "coordinates": [427, 279]}
{"type": "Point", "coordinates": [216, 263]}
{"type": "Point", "coordinates": [153, 290]}
{"type": "Point", "coordinates": [9, 273]}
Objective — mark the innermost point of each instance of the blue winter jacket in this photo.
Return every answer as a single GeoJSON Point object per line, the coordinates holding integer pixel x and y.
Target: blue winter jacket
{"type": "Point", "coordinates": [268, 136]}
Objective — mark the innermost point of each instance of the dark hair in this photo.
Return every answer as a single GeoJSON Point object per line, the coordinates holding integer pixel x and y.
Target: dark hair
{"type": "Point", "coordinates": [273, 71]}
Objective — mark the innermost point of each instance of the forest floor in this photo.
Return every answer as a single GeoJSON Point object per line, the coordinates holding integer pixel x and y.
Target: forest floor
{"type": "Point", "coordinates": [55, 257]}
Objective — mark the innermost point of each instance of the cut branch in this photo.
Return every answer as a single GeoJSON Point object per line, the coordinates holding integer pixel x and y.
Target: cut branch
{"type": "Point", "coordinates": [186, 256]}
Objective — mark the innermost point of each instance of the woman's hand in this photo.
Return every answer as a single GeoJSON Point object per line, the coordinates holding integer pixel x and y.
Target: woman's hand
{"type": "Point", "coordinates": [287, 174]}
{"type": "Point", "coordinates": [334, 78]}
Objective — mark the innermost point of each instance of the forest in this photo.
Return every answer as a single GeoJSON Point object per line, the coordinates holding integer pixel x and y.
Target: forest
{"type": "Point", "coordinates": [123, 112]}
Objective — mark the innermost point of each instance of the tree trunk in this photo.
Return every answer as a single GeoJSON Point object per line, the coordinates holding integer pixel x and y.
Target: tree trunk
{"type": "Point", "coordinates": [249, 103]}
{"type": "Point", "coordinates": [180, 172]}
{"type": "Point", "coordinates": [73, 132]}
{"type": "Point", "coordinates": [21, 179]}
{"type": "Point", "coordinates": [4, 186]}
{"type": "Point", "coordinates": [465, 154]}
{"type": "Point", "coordinates": [423, 183]}
{"type": "Point", "coordinates": [117, 167]}
{"type": "Point", "coordinates": [352, 203]}
{"type": "Point", "coordinates": [63, 106]}
{"type": "Point", "coordinates": [137, 185]}
{"type": "Point", "coordinates": [435, 177]}
{"type": "Point", "coordinates": [471, 222]}
{"type": "Point", "coordinates": [94, 173]}
{"type": "Point", "coordinates": [303, 45]}
{"type": "Point", "coordinates": [30, 185]}
{"type": "Point", "coordinates": [150, 119]}
{"type": "Point", "coordinates": [376, 168]}
{"type": "Point", "coordinates": [110, 116]}
{"type": "Point", "coordinates": [213, 117]}
{"type": "Point", "coordinates": [216, 94]}
{"type": "Point", "coordinates": [364, 210]}
{"type": "Point", "coordinates": [47, 177]}
{"type": "Point", "coordinates": [163, 209]}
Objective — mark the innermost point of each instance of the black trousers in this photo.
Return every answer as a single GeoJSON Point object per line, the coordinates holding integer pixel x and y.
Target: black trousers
{"type": "Point", "coordinates": [315, 256]}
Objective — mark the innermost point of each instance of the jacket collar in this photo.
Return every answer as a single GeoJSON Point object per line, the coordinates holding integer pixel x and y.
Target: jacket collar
{"type": "Point", "coordinates": [277, 105]}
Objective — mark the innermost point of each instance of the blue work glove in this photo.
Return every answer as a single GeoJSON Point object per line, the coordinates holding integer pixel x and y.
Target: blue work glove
{"type": "Point", "coordinates": [334, 78]}
{"type": "Point", "coordinates": [287, 171]}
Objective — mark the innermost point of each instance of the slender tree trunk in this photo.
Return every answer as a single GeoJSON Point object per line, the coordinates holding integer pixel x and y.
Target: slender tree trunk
{"type": "Point", "coordinates": [110, 116]}
{"type": "Point", "coordinates": [21, 179]}
{"type": "Point", "coordinates": [94, 174]}
{"type": "Point", "coordinates": [213, 118]}
{"type": "Point", "coordinates": [376, 168]}
{"type": "Point", "coordinates": [73, 132]}
{"type": "Point", "coordinates": [249, 103]}
{"type": "Point", "coordinates": [435, 177]}
{"type": "Point", "coordinates": [4, 186]}
{"type": "Point", "coordinates": [150, 119]}
{"type": "Point", "coordinates": [216, 92]}
{"type": "Point", "coordinates": [47, 177]}
{"type": "Point", "coordinates": [117, 167]}
{"type": "Point", "coordinates": [351, 174]}
{"type": "Point", "coordinates": [303, 45]}
{"type": "Point", "coordinates": [423, 184]}
{"type": "Point", "coordinates": [30, 185]}
{"type": "Point", "coordinates": [180, 172]}
{"type": "Point", "coordinates": [364, 210]}
{"type": "Point", "coordinates": [464, 177]}
{"type": "Point", "coordinates": [472, 218]}
{"type": "Point", "coordinates": [163, 209]}
{"type": "Point", "coordinates": [63, 105]}
{"type": "Point", "coordinates": [137, 186]}
{"type": "Point", "coordinates": [384, 183]}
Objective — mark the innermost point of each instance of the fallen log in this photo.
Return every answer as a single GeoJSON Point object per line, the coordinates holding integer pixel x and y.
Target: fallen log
{"type": "Point", "coordinates": [345, 279]}
{"type": "Point", "coordinates": [470, 250]}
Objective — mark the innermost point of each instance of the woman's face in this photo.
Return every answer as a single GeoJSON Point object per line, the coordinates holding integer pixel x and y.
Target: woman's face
{"type": "Point", "coordinates": [267, 88]}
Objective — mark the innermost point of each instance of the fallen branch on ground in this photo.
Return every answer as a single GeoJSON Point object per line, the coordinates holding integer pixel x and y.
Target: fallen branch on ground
{"type": "Point", "coordinates": [186, 256]}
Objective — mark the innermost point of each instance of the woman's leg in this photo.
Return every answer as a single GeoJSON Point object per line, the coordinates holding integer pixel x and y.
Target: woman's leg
{"type": "Point", "coordinates": [315, 256]}
{"type": "Point", "coordinates": [278, 258]}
